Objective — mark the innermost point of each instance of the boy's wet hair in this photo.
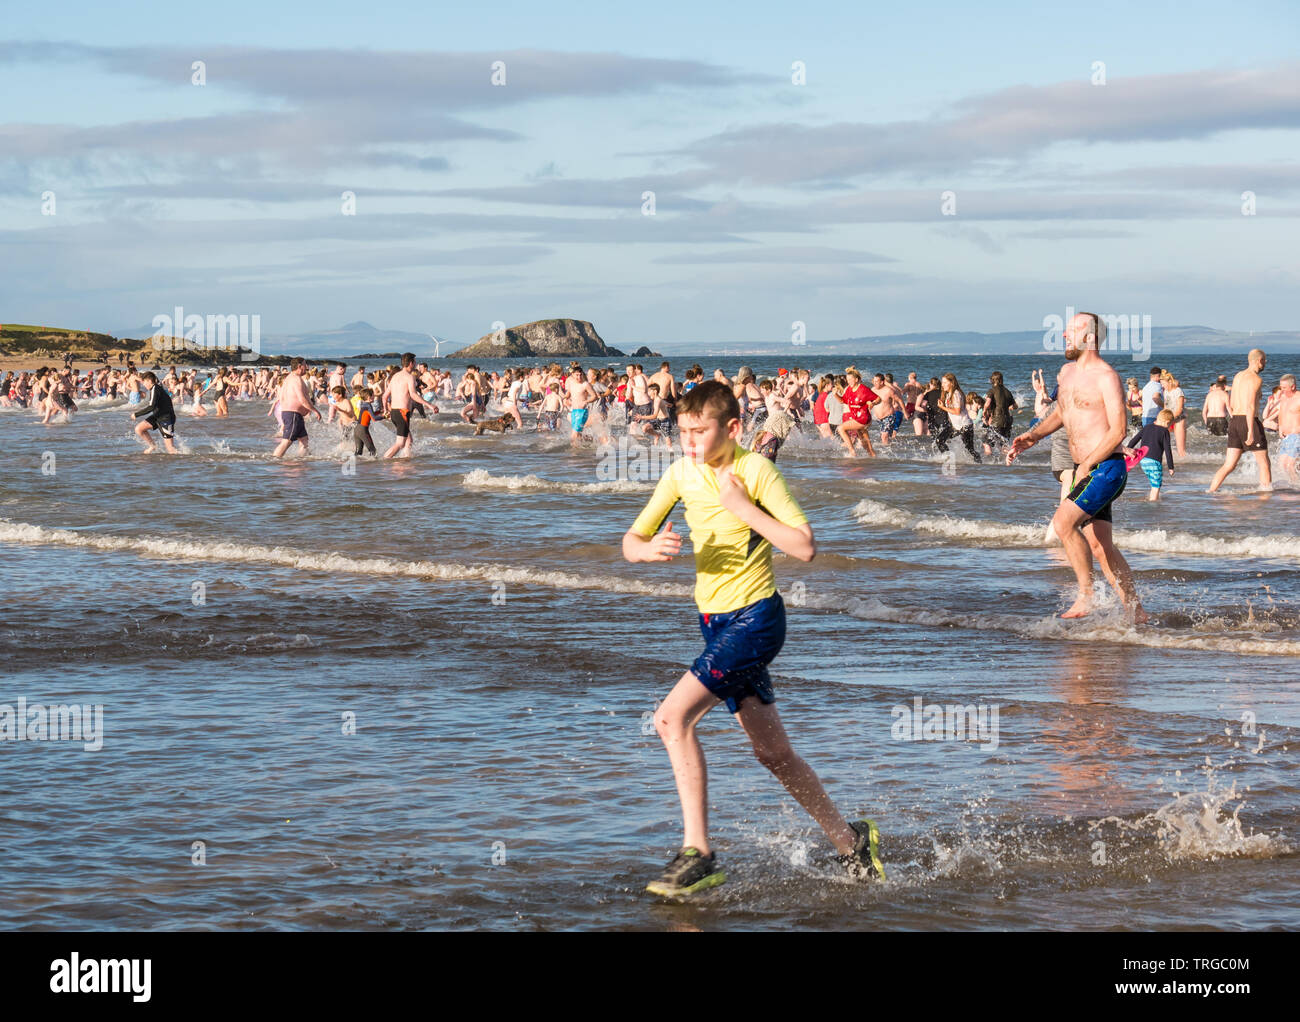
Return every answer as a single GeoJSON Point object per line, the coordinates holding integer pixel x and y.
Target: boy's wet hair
{"type": "Point", "coordinates": [713, 399]}
{"type": "Point", "coordinates": [1165, 417]}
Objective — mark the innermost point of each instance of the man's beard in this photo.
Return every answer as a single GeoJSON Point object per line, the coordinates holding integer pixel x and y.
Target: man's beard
{"type": "Point", "coordinates": [1072, 353]}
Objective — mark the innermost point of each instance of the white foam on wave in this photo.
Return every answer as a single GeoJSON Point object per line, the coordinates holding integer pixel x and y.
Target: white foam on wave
{"type": "Point", "coordinates": [481, 479]}
{"type": "Point", "coordinates": [90, 406]}
{"type": "Point", "coordinates": [1101, 626]}
{"type": "Point", "coordinates": [289, 557]}
{"type": "Point", "coordinates": [1152, 541]}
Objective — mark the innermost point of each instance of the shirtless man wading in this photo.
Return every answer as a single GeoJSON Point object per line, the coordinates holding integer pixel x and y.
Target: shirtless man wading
{"type": "Point", "coordinates": [668, 390]}
{"type": "Point", "coordinates": [638, 396]}
{"type": "Point", "coordinates": [1214, 412]}
{"type": "Point", "coordinates": [1245, 431]}
{"type": "Point", "coordinates": [581, 397]}
{"type": "Point", "coordinates": [1288, 426]}
{"type": "Point", "coordinates": [403, 395]}
{"type": "Point", "coordinates": [1092, 409]}
{"type": "Point", "coordinates": [295, 402]}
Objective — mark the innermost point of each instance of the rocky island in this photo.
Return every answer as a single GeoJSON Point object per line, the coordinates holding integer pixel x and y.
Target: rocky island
{"type": "Point", "coordinates": [543, 337]}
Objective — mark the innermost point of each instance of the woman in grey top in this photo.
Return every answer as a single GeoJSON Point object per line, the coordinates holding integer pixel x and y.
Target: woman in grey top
{"type": "Point", "coordinates": [1062, 462]}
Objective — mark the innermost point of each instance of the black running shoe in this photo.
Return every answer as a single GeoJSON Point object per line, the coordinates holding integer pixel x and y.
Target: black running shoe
{"type": "Point", "coordinates": [864, 863]}
{"type": "Point", "coordinates": [688, 873]}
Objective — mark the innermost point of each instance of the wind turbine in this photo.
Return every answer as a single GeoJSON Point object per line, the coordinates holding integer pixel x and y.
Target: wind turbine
{"type": "Point", "coordinates": [437, 346]}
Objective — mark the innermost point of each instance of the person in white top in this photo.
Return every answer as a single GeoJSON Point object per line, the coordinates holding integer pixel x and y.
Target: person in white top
{"type": "Point", "coordinates": [953, 401]}
{"type": "Point", "coordinates": [1176, 402]}
{"type": "Point", "coordinates": [1153, 397]}
{"type": "Point", "coordinates": [510, 402]}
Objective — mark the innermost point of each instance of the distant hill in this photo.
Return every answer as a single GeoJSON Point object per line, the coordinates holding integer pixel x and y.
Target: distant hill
{"type": "Point", "coordinates": [348, 340]}
{"type": "Point", "coordinates": [1169, 340]}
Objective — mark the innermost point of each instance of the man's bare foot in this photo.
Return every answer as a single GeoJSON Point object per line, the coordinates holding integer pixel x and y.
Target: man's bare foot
{"type": "Point", "coordinates": [1140, 616]}
{"type": "Point", "coordinates": [1081, 608]}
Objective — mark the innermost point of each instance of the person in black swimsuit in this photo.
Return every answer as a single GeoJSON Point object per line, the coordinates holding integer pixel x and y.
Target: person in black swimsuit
{"type": "Point", "coordinates": [998, 408]}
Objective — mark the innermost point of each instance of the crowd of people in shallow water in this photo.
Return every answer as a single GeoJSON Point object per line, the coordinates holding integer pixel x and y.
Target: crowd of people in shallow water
{"type": "Point", "coordinates": [844, 408]}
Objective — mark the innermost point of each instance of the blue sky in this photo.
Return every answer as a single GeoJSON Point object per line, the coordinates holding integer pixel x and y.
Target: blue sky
{"type": "Point", "coordinates": [775, 202]}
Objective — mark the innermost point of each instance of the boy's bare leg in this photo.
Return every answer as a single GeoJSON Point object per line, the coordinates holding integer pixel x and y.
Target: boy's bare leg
{"type": "Point", "coordinates": [142, 431]}
{"type": "Point", "coordinates": [772, 747]}
{"type": "Point", "coordinates": [675, 721]}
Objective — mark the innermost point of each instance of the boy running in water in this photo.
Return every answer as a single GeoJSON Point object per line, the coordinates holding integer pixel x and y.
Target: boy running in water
{"type": "Point", "coordinates": [737, 507]}
{"type": "Point", "coordinates": [157, 413]}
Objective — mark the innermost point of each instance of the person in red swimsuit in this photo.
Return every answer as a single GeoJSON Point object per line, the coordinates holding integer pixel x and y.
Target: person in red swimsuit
{"type": "Point", "coordinates": [858, 399]}
{"type": "Point", "coordinates": [821, 416]}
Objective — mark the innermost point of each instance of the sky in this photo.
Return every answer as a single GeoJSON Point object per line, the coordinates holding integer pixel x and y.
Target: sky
{"type": "Point", "coordinates": [860, 169]}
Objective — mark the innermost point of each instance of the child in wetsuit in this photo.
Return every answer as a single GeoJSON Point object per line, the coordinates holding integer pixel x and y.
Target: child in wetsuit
{"type": "Point", "coordinates": [363, 410]}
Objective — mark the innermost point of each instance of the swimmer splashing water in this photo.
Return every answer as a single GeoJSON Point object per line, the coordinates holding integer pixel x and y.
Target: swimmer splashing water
{"type": "Point", "coordinates": [1092, 409]}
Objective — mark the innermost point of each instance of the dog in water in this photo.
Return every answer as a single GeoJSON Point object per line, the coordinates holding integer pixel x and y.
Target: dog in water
{"type": "Point", "coordinates": [495, 425]}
